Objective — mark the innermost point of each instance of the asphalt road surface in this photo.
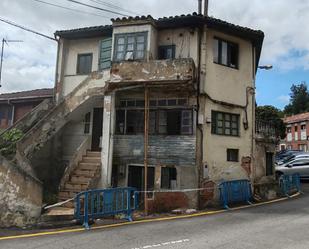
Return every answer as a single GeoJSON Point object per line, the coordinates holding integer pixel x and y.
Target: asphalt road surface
{"type": "Point", "coordinates": [279, 225]}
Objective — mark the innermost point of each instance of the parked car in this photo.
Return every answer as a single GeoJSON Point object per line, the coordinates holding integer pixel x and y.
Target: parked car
{"type": "Point", "coordinates": [287, 156]}
{"type": "Point", "coordinates": [297, 165]}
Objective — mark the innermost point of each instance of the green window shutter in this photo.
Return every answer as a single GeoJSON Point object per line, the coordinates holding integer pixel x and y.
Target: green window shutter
{"type": "Point", "coordinates": [105, 53]}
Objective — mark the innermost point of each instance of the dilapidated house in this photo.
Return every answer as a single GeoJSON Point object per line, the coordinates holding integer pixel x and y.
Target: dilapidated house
{"type": "Point", "coordinates": [175, 93]}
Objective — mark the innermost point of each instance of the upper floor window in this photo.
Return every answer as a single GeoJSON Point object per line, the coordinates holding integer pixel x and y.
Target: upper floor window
{"type": "Point", "coordinates": [84, 63]}
{"type": "Point", "coordinates": [288, 130]}
{"type": "Point", "coordinates": [225, 123]}
{"type": "Point", "coordinates": [131, 46]}
{"type": "Point", "coordinates": [166, 52]}
{"type": "Point", "coordinates": [303, 127]}
{"type": "Point", "coordinates": [225, 53]}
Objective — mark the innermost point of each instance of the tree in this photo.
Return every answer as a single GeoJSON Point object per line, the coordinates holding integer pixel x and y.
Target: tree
{"type": "Point", "coordinates": [299, 101]}
{"type": "Point", "coordinates": [272, 115]}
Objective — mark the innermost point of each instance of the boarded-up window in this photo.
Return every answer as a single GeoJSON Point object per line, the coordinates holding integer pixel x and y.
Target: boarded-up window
{"type": "Point", "coordinates": [105, 53]}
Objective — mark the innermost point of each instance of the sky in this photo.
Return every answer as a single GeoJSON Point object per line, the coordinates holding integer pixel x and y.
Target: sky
{"type": "Point", "coordinates": [31, 63]}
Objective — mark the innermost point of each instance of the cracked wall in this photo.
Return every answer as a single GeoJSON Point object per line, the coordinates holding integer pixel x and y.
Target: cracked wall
{"type": "Point", "coordinates": [20, 196]}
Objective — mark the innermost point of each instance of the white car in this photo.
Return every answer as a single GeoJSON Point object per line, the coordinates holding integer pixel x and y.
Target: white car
{"type": "Point", "coordinates": [297, 165]}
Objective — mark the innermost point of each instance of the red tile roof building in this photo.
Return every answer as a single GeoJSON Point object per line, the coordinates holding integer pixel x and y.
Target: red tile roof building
{"type": "Point", "coordinates": [297, 132]}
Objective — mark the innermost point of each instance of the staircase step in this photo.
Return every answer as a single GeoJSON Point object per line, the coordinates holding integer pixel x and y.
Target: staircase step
{"type": "Point", "coordinates": [93, 153]}
{"type": "Point", "coordinates": [87, 159]}
{"type": "Point", "coordinates": [88, 166]}
{"type": "Point", "coordinates": [65, 195]}
{"type": "Point", "coordinates": [72, 186]}
{"type": "Point", "coordinates": [89, 173]}
{"type": "Point", "coordinates": [80, 179]}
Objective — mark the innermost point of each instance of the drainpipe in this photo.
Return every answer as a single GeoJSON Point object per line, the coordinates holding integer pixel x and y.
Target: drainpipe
{"type": "Point", "coordinates": [199, 7]}
{"type": "Point", "coordinates": [205, 7]}
{"type": "Point", "coordinates": [56, 71]}
{"type": "Point", "coordinates": [200, 129]}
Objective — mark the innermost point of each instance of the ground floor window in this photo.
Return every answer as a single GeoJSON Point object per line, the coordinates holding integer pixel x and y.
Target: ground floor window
{"type": "Point", "coordinates": [136, 177]}
{"type": "Point", "coordinates": [232, 155]}
{"type": "Point", "coordinates": [168, 178]}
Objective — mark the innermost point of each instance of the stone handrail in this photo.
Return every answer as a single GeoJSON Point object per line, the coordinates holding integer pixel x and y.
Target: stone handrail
{"type": "Point", "coordinates": [77, 157]}
{"type": "Point", "coordinates": [49, 125]}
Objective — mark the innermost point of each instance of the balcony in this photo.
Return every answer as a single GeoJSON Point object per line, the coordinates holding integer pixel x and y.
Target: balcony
{"type": "Point", "coordinates": [153, 72]}
{"type": "Point", "coordinates": [266, 130]}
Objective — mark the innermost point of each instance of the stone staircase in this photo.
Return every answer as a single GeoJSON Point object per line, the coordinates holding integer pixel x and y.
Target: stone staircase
{"type": "Point", "coordinates": [82, 177]}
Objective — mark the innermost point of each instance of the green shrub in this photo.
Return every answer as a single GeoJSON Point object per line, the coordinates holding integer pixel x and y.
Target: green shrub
{"type": "Point", "coordinates": [9, 140]}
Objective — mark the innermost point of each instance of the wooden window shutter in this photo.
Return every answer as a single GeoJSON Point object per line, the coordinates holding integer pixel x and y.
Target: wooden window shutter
{"type": "Point", "coordinates": [105, 53]}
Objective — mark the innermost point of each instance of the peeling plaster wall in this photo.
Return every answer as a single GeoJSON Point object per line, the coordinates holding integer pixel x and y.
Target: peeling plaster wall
{"type": "Point", "coordinates": [184, 39]}
{"type": "Point", "coordinates": [260, 160]}
{"type": "Point", "coordinates": [227, 84]}
{"type": "Point", "coordinates": [20, 196]}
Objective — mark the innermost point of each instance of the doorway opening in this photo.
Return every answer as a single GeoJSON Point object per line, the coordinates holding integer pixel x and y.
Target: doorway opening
{"type": "Point", "coordinates": [97, 126]}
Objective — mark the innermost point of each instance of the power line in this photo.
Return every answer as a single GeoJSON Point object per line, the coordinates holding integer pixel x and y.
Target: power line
{"type": "Point", "coordinates": [98, 8]}
{"type": "Point", "coordinates": [71, 9]}
{"type": "Point", "coordinates": [114, 6]}
{"type": "Point", "coordinates": [26, 29]}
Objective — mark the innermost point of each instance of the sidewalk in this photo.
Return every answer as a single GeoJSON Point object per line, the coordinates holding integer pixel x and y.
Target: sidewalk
{"type": "Point", "coordinates": [13, 233]}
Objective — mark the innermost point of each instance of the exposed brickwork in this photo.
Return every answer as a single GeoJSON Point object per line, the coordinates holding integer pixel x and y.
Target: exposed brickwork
{"type": "Point", "coordinates": [246, 164]}
{"type": "Point", "coordinates": [164, 202]}
{"type": "Point", "coordinates": [207, 195]}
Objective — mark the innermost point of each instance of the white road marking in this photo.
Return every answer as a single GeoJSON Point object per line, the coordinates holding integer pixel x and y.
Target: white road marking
{"type": "Point", "coordinates": [163, 244]}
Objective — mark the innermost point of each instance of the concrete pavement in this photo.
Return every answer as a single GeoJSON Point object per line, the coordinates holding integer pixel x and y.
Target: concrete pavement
{"type": "Point", "coordinates": [279, 225]}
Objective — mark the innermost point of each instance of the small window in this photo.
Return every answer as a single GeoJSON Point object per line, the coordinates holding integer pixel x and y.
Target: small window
{"type": "Point", "coordinates": [225, 124]}
{"type": "Point", "coordinates": [232, 155]}
{"type": "Point", "coordinates": [295, 128]}
{"type": "Point", "coordinates": [87, 122]}
{"type": "Point", "coordinates": [303, 127]}
{"type": "Point", "coordinates": [84, 63]}
{"type": "Point", "coordinates": [168, 178]}
{"type": "Point", "coordinates": [225, 53]}
{"type": "Point", "coordinates": [166, 52]}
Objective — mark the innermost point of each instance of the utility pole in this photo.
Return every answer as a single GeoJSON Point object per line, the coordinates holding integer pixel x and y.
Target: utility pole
{"type": "Point", "coordinates": [4, 41]}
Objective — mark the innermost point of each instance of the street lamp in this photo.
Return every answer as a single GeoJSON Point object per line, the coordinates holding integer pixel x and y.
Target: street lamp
{"type": "Point", "coordinates": [266, 67]}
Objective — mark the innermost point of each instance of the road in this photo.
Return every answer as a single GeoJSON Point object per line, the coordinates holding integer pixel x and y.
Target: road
{"type": "Point", "coordinates": [279, 225]}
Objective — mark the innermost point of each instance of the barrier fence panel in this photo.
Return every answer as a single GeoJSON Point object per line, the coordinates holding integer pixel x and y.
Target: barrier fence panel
{"type": "Point", "coordinates": [98, 203]}
{"type": "Point", "coordinates": [289, 183]}
{"type": "Point", "coordinates": [234, 192]}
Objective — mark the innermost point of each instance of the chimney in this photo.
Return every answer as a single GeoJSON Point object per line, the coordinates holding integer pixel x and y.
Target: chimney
{"type": "Point", "coordinates": [205, 7]}
{"type": "Point", "coordinates": [199, 7]}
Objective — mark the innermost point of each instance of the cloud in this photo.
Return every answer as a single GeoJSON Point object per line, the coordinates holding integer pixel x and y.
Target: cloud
{"type": "Point", "coordinates": [31, 64]}
{"type": "Point", "coordinates": [284, 99]}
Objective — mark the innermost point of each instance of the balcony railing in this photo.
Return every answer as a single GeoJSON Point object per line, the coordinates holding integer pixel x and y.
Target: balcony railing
{"type": "Point", "coordinates": [266, 129]}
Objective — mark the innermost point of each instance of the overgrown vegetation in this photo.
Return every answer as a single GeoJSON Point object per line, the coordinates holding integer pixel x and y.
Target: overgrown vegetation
{"type": "Point", "coordinates": [9, 140]}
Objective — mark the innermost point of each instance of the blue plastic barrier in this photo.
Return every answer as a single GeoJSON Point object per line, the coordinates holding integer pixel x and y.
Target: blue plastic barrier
{"type": "Point", "coordinates": [234, 192]}
{"type": "Point", "coordinates": [289, 183]}
{"type": "Point", "coordinates": [98, 203]}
